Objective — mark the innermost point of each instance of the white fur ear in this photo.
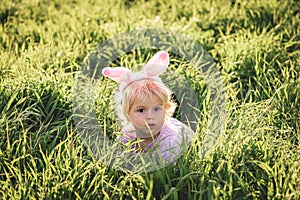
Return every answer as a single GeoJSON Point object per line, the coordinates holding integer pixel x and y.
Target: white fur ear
{"type": "Point", "coordinates": [157, 64]}
{"type": "Point", "coordinates": [118, 74]}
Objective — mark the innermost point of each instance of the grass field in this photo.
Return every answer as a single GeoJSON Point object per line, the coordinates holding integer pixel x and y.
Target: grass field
{"type": "Point", "coordinates": [256, 46]}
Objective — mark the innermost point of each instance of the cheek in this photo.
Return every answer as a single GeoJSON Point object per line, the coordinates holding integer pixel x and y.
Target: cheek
{"type": "Point", "coordinates": [162, 114]}
{"type": "Point", "coordinates": [137, 118]}
{"type": "Point", "coordinates": [160, 117]}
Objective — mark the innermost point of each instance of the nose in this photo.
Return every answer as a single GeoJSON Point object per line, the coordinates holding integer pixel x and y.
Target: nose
{"type": "Point", "coordinates": [149, 115]}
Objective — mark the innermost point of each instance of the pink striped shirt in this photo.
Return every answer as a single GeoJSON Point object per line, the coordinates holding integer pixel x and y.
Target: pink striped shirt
{"type": "Point", "coordinates": [173, 138]}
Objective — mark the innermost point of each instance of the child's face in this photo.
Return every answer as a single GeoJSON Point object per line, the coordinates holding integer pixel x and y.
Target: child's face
{"type": "Point", "coordinates": [147, 116]}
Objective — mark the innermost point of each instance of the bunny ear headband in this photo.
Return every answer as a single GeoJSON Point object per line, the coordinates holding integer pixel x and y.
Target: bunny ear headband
{"type": "Point", "coordinates": [156, 66]}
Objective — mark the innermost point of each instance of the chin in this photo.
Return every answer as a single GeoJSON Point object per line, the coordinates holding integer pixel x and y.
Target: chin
{"type": "Point", "coordinates": [147, 134]}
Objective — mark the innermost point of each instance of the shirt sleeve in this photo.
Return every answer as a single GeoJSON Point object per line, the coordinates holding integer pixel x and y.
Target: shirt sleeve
{"type": "Point", "coordinates": [174, 140]}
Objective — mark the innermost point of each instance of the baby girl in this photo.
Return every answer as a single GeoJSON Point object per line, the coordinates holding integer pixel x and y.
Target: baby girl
{"type": "Point", "coordinates": [145, 106]}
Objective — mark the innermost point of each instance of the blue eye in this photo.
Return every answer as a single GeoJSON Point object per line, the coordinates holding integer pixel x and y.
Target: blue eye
{"type": "Point", "coordinates": [140, 110]}
{"type": "Point", "coordinates": [157, 108]}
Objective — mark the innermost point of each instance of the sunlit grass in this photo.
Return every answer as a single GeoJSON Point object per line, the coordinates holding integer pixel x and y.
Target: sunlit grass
{"type": "Point", "coordinates": [256, 47]}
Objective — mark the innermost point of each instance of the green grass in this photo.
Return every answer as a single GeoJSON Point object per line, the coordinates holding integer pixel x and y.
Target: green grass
{"type": "Point", "coordinates": [256, 45]}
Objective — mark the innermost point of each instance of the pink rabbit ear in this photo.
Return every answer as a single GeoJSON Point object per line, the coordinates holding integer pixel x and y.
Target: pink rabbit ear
{"type": "Point", "coordinates": [157, 64]}
{"type": "Point", "coordinates": [118, 74]}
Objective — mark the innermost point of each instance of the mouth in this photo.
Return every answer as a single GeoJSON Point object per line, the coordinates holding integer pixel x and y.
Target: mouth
{"type": "Point", "coordinates": [151, 126]}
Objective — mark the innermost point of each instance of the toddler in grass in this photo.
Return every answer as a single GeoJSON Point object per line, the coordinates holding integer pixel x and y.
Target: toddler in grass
{"type": "Point", "coordinates": [144, 105]}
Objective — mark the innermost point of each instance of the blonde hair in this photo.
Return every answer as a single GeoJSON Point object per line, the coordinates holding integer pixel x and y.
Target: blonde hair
{"type": "Point", "coordinates": [143, 89]}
